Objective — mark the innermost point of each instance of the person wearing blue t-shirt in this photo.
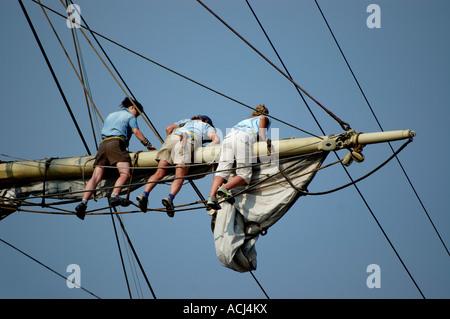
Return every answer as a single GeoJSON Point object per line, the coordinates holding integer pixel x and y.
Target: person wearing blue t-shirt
{"type": "Point", "coordinates": [183, 138]}
{"type": "Point", "coordinates": [116, 133]}
{"type": "Point", "coordinates": [238, 146]}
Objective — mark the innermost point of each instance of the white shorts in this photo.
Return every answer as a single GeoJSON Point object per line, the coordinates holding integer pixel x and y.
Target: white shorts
{"type": "Point", "coordinates": [237, 145]}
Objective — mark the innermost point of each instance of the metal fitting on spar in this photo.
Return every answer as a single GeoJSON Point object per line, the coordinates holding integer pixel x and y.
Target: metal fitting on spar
{"type": "Point", "coordinates": [327, 145]}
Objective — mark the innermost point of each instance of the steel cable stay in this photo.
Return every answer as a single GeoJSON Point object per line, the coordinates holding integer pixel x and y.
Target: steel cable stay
{"type": "Point", "coordinates": [353, 182]}
{"type": "Point", "coordinates": [118, 73]}
{"type": "Point", "coordinates": [263, 231]}
{"type": "Point", "coordinates": [133, 250]}
{"type": "Point", "coordinates": [47, 267]}
{"type": "Point", "coordinates": [251, 188]}
{"type": "Point", "coordinates": [54, 75]}
{"type": "Point", "coordinates": [381, 128]}
{"type": "Point", "coordinates": [145, 118]}
{"type": "Point", "coordinates": [175, 72]}
{"type": "Point", "coordinates": [201, 85]}
{"type": "Point", "coordinates": [195, 188]}
{"type": "Point", "coordinates": [85, 81]}
{"type": "Point", "coordinates": [344, 125]}
{"type": "Point", "coordinates": [120, 254]}
{"type": "Point", "coordinates": [86, 94]}
{"type": "Point", "coordinates": [51, 69]}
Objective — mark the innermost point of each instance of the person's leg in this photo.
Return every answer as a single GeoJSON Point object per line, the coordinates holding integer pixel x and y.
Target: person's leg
{"type": "Point", "coordinates": [243, 153]}
{"type": "Point", "coordinates": [234, 182]}
{"type": "Point", "coordinates": [225, 166]}
{"type": "Point", "coordinates": [124, 176]}
{"type": "Point", "coordinates": [97, 176]}
{"type": "Point", "coordinates": [217, 181]}
{"type": "Point", "coordinates": [180, 172]}
{"type": "Point", "coordinates": [212, 202]}
{"type": "Point", "coordinates": [158, 175]}
{"type": "Point", "coordinates": [89, 190]}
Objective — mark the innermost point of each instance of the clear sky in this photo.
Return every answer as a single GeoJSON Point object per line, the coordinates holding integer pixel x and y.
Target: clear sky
{"type": "Point", "coordinates": [322, 247]}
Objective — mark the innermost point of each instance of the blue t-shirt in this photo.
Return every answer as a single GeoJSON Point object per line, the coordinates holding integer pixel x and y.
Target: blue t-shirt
{"type": "Point", "coordinates": [120, 123]}
{"type": "Point", "coordinates": [250, 125]}
{"type": "Point", "coordinates": [194, 128]}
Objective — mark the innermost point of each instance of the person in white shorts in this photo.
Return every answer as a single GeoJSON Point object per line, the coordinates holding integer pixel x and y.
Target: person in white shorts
{"type": "Point", "coordinates": [238, 146]}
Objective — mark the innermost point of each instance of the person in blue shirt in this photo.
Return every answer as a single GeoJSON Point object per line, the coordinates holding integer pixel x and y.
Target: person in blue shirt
{"type": "Point", "coordinates": [238, 146]}
{"type": "Point", "coordinates": [116, 133]}
{"type": "Point", "coordinates": [183, 138]}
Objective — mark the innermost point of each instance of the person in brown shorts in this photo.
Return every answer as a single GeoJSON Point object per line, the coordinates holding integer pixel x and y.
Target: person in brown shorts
{"type": "Point", "coordinates": [116, 133]}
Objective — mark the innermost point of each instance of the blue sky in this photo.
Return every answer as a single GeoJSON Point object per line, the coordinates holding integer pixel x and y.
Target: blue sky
{"type": "Point", "coordinates": [321, 248]}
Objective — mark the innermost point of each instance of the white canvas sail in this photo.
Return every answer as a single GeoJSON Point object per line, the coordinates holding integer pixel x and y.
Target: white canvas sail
{"type": "Point", "coordinates": [263, 202]}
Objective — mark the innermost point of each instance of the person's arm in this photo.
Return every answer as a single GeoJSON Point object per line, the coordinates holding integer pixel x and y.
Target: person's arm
{"type": "Point", "coordinates": [263, 124]}
{"type": "Point", "coordinates": [170, 129]}
{"type": "Point", "coordinates": [143, 139]}
{"type": "Point", "coordinates": [215, 139]}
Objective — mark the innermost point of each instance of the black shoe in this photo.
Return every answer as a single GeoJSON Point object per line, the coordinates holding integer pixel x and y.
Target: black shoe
{"type": "Point", "coordinates": [81, 210]}
{"type": "Point", "coordinates": [142, 202]}
{"type": "Point", "coordinates": [116, 201]}
{"type": "Point", "coordinates": [212, 204]}
{"type": "Point", "coordinates": [225, 193]}
{"type": "Point", "coordinates": [168, 203]}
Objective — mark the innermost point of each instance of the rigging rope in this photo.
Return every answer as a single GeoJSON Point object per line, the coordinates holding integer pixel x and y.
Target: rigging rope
{"type": "Point", "coordinates": [52, 270]}
{"type": "Point", "coordinates": [251, 188]}
{"type": "Point", "coordinates": [284, 67]}
{"type": "Point", "coordinates": [177, 73]}
{"type": "Point", "coordinates": [135, 254]}
{"type": "Point", "coordinates": [348, 174]}
{"type": "Point", "coordinates": [344, 125]}
{"type": "Point", "coordinates": [54, 75]}
{"type": "Point", "coordinates": [381, 128]}
{"type": "Point", "coordinates": [145, 118]}
{"type": "Point", "coordinates": [84, 79]}
{"type": "Point", "coordinates": [70, 60]}
{"type": "Point", "coordinates": [120, 253]}
{"type": "Point", "coordinates": [118, 73]}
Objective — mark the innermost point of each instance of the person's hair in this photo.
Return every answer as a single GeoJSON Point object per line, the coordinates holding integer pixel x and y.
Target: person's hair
{"type": "Point", "coordinates": [126, 103]}
{"type": "Point", "coordinates": [260, 110]}
{"type": "Point", "coordinates": [203, 118]}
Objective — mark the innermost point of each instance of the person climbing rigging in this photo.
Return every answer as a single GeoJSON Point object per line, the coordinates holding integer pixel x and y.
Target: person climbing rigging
{"type": "Point", "coordinates": [183, 139]}
{"type": "Point", "coordinates": [116, 134]}
{"type": "Point", "coordinates": [238, 145]}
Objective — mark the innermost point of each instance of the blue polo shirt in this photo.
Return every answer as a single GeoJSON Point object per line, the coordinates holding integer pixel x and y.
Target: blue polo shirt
{"type": "Point", "coordinates": [195, 128]}
{"type": "Point", "coordinates": [250, 125]}
{"type": "Point", "coordinates": [120, 123]}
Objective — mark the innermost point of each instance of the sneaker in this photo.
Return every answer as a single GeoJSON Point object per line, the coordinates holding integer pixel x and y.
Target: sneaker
{"type": "Point", "coordinates": [225, 193]}
{"type": "Point", "coordinates": [116, 201]}
{"type": "Point", "coordinates": [167, 202]}
{"type": "Point", "coordinates": [81, 210]}
{"type": "Point", "coordinates": [142, 202]}
{"type": "Point", "coordinates": [212, 204]}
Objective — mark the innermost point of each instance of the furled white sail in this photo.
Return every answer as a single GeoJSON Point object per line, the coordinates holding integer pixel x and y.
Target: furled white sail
{"type": "Point", "coordinates": [261, 204]}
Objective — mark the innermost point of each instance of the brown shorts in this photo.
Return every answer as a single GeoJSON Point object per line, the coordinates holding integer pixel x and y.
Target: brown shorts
{"type": "Point", "coordinates": [111, 152]}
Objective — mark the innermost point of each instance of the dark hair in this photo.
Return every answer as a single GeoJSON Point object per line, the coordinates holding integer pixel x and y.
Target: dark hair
{"type": "Point", "coordinates": [126, 103]}
{"type": "Point", "coordinates": [203, 118]}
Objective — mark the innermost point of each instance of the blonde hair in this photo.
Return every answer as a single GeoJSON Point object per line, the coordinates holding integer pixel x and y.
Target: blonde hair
{"type": "Point", "coordinates": [260, 110]}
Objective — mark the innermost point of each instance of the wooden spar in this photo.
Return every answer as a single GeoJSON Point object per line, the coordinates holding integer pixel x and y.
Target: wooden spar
{"type": "Point", "coordinates": [82, 167]}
